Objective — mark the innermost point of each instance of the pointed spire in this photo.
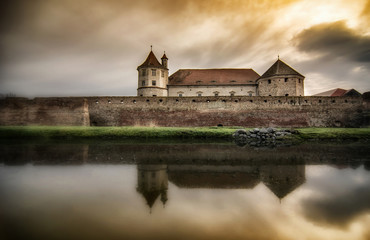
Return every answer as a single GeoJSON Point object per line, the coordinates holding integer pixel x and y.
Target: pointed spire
{"type": "Point", "coordinates": [164, 55]}
{"type": "Point", "coordinates": [151, 61]}
{"type": "Point", "coordinates": [151, 47]}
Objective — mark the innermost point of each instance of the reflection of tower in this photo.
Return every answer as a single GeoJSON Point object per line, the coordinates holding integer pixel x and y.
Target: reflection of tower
{"type": "Point", "coordinates": [152, 182]}
{"type": "Point", "coordinates": [283, 179]}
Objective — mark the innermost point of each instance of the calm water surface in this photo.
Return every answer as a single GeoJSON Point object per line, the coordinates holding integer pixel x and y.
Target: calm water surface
{"type": "Point", "coordinates": [110, 190]}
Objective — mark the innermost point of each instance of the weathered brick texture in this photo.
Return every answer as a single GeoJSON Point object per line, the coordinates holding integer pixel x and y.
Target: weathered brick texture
{"type": "Point", "coordinates": [188, 111]}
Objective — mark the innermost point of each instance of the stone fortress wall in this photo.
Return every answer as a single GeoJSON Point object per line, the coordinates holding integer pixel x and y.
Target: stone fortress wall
{"type": "Point", "coordinates": [188, 111]}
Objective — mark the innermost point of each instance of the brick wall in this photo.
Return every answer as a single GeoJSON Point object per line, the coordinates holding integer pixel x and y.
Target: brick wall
{"type": "Point", "coordinates": [187, 111]}
{"type": "Point", "coordinates": [227, 111]}
{"type": "Point", "coordinates": [44, 111]}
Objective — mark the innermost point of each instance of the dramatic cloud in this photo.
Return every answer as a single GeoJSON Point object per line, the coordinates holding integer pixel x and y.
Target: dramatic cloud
{"type": "Point", "coordinates": [334, 40]}
{"type": "Point", "coordinates": [340, 56]}
{"type": "Point", "coordinates": [91, 47]}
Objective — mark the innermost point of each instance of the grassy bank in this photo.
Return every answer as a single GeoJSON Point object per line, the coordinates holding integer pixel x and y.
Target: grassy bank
{"type": "Point", "coordinates": [334, 133]}
{"type": "Point", "coordinates": [58, 132]}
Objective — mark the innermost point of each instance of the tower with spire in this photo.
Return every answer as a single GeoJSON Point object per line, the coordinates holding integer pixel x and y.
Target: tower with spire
{"type": "Point", "coordinates": [280, 80]}
{"type": "Point", "coordinates": [153, 76]}
{"type": "Point", "coordinates": [153, 183]}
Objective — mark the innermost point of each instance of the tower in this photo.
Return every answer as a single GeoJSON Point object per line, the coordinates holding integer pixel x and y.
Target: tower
{"type": "Point", "coordinates": [153, 182]}
{"type": "Point", "coordinates": [153, 76]}
{"type": "Point", "coordinates": [281, 80]}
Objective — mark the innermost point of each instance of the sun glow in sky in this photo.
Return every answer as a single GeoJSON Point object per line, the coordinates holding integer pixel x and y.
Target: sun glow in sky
{"type": "Point", "coordinates": [71, 48]}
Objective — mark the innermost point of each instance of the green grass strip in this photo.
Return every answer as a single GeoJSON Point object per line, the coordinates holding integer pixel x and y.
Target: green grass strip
{"type": "Point", "coordinates": [334, 133]}
{"type": "Point", "coordinates": [63, 132]}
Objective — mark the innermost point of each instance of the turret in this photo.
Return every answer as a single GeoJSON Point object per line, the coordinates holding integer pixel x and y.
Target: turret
{"type": "Point", "coordinates": [164, 60]}
{"type": "Point", "coordinates": [153, 77]}
{"type": "Point", "coordinates": [281, 80]}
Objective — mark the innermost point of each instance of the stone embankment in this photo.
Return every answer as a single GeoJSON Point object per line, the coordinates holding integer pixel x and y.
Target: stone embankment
{"type": "Point", "coordinates": [261, 137]}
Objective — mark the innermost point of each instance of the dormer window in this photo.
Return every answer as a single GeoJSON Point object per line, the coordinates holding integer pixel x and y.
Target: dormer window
{"type": "Point", "coordinates": [232, 93]}
{"type": "Point", "coordinates": [213, 81]}
{"type": "Point", "coordinates": [198, 82]}
{"type": "Point", "coordinates": [199, 94]}
{"type": "Point", "coordinates": [216, 93]}
{"type": "Point", "coordinates": [233, 81]}
{"type": "Point", "coordinates": [154, 72]}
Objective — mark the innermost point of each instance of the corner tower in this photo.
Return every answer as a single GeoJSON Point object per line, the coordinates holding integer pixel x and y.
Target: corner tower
{"type": "Point", "coordinates": [281, 80]}
{"type": "Point", "coordinates": [153, 76]}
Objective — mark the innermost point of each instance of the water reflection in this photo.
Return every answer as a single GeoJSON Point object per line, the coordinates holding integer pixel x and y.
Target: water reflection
{"type": "Point", "coordinates": [281, 180]}
{"type": "Point", "coordinates": [184, 191]}
{"type": "Point", "coordinates": [153, 182]}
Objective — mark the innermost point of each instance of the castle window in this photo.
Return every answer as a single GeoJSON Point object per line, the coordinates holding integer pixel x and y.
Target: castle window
{"type": "Point", "coordinates": [285, 79]}
{"type": "Point", "coordinates": [162, 73]}
{"type": "Point", "coordinates": [154, 83]}
{"type": "Point", "coordinates": [199, 94]}
{"type": "Point", "coordinates": [213, 81]}
{"type": "Point", "coordinates": [232, 93]}
{"type": "Point", "coordinates": [233, 81]}
{"type": "Point", "coordinates": [216, 93]}
{"type": "Point", "coordinates": [269, 81]}
{"type": "Point", "coordinates": [143, 72]}
{"type": "Point", "coordinates": [320, 101]}
{"type": "Point", "coordinates": [198, 82]}
{"type": "Point", "coordinates": [299, 80]}
{"type": "Point", "coordinates": [154, 72]}
{"type": "Point", "coordinates": [154, 95]}
{"type": "Point", "coordinates": [180, 94]}
{"type": "Point", "coordinates": [250, 93]}
{"type": "Point", "coordinates": [142, 83]}
{"type": "Point", "coordinates": [286, 95]}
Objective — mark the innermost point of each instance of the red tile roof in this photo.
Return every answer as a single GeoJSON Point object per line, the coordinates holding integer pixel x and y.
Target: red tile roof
{"type": "Point", "coordinates": [338, 92]}
{"type": "Point", "coordinates": [151, 61]}
{"type": "Point", "coordinates": [213, 77]}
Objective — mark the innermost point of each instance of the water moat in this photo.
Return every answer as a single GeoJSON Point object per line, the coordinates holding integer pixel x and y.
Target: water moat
{"type": "Point", "coordinates": [184, 190]}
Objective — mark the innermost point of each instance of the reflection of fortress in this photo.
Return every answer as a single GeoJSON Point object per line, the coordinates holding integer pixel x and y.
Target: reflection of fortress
{"type": "Point", "coordinates": [281, 180]}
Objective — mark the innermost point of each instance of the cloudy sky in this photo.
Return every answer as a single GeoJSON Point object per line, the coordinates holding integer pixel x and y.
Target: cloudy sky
{"type": "Point", "coordinates": [92, 47]}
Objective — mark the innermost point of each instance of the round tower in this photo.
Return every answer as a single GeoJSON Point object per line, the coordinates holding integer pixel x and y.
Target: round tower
{"type": "Point", "coordinates": [153, 77]}
{"type": "Point", "coordinates": [281, 80]}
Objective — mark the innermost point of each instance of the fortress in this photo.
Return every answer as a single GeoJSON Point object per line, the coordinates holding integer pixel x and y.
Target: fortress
{"type": "Point", "coordinates": [279, 80]}
{"type": "Point", "coordinates": [198, 97]}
